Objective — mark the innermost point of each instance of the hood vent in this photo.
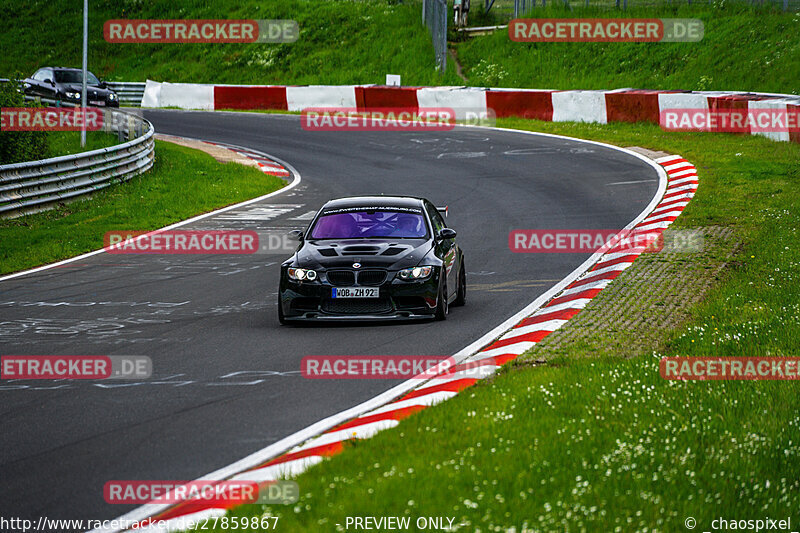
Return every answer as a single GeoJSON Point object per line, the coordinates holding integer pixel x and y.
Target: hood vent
{"type": "Point", "coordinates": [328, 252]}
{"type": "Point", "coordinates": [393, 251]}
{"type": "Point", "coordinates": [360, 250]}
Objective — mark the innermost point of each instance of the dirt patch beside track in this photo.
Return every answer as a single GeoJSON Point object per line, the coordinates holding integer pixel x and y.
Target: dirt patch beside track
{"type": "Point", "coordinates": [653, 294]}
{"type": "Point", "coordinates": [221, 154]}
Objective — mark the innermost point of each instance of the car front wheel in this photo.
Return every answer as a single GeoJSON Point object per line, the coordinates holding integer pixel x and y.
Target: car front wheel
{"type": "Point", "coordinates": [442, 307]}
{"type": "Point", "coordinates": [461, 295]}
{"type": "Point", "coordinates": [281, 318]}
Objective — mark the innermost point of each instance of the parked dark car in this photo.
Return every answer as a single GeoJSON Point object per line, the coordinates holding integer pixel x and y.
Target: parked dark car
{"type": "Point", "coordinates": [373, 258]}
{"type": "Point", "coordinates": [64, 84]}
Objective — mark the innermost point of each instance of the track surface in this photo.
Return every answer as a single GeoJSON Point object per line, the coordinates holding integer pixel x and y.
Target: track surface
{"type": "Point", "coordinates": [226, 376]}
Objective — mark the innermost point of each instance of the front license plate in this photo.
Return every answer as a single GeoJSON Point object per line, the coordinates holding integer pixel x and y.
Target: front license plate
{"type": "Point", "coordinates": [354, 292]}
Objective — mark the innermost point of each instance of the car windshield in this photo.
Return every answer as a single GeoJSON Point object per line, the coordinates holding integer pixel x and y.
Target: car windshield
{"type": "Point", "coordinates": [370, 224]}
{"type": "Point", "coordinates": [74, 76]}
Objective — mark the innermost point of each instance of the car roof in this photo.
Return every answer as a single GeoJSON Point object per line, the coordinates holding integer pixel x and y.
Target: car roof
{"type": "Point", "coordinates": [374, 201]}
{"type": "Point", "coordinates": [71, 69]}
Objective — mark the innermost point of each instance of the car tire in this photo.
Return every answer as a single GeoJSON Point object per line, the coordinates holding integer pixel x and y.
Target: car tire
{"type": "Point", "coordinates": [281, 318]}
{"type": "Point", "coordinates": [442, 307]}
{"type": "Point", "coordinates": [461, 295]}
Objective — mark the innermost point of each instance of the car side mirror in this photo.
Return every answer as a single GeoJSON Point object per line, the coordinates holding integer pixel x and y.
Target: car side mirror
{"type": "Point", "coordinates": [446, 233]}
{"type": "Point", "coordinates": [103, 85]}
{"type": "Point", "coordinates": [49, 81]}
{"type": "Point", "coordinates": [296, 234]}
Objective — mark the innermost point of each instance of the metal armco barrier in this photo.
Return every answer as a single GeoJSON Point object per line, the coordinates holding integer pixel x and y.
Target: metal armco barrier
{"type": "Point", "coordinates": [35, 186]}
{"type": "Point", "coordinates": [130, 93]}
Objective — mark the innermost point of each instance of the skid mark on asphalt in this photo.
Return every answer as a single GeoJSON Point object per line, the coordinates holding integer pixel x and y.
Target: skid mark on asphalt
{"type": "Point", "coordinates": [241, 378]}
{"type": "Point", "coordinates": [511, 286]}
{"type": "Point", "coordinates": [110, 329]}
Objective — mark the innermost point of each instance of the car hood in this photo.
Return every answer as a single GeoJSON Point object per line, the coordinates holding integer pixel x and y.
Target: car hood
{"type": "Point", "coordinates": [376, 253]}
{"type": "Point", "coordinates": [91, 89]}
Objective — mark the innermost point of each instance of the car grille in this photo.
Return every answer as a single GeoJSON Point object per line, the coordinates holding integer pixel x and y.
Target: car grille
{"type": "Point", "coordinates": [304, 303]}
{"type": "Point", "coordinates": [410, 302]}
{"type": "Point", "coordinates": [342, 278]}
{"type": "Point", "coordinates": [371, 277]}
{"type": "Point", "coordinates": [357, 306]}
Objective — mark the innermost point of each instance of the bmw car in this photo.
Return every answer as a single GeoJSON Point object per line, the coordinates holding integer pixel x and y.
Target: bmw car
{"type": "Point", "coordinates": [373, 258]}
{"type": "Point", "coordinates": [65, 84]}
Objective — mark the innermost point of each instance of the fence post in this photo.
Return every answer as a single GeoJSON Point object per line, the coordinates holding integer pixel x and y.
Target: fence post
{"type": "Point", "coordinates": [434, 16]}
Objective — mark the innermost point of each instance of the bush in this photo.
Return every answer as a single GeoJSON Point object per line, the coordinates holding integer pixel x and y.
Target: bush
{"type": "Point", "coordinates": [17, 146]}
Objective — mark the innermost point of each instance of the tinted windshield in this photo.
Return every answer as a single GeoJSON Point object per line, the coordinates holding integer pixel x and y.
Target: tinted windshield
{"type": "Point", "coordinates": [74, 76]}
{"type": "Point", "coordinates": [365, 224]}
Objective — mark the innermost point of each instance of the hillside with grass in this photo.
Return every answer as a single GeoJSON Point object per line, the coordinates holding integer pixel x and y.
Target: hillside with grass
{"type": "Point", "coordinates": [345, 42]}
{"type": "Point", "coordinates": [743, 49]}
{"type": "Point", "coordinates": [340, 42]}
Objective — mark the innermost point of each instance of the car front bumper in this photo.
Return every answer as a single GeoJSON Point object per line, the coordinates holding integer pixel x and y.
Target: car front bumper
{"type": "Point", "coordinates": [398, 300]}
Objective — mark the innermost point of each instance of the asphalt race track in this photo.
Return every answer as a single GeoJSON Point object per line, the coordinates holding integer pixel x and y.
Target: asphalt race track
{"type": "Point", "coordinates": [226, 378]}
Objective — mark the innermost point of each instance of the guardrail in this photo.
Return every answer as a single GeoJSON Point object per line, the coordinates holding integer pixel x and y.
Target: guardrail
{"type": "Point", "coordinates": [130, 93]}
{"type": "Point", "coordinates": [35, 186]}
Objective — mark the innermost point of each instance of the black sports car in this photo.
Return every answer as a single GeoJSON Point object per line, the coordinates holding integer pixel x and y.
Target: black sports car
{"type": "Point", "coordinates": [65, 84]}
{"type": "Point", "coordinates": [373, 258]}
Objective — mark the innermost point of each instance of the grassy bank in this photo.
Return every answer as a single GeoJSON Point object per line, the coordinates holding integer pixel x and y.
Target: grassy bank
{"type": "Point", "coordinates": [361, 42]}
{"type": "Point", "coordinates": [595, 439]}
{"type": "Point", "coordinates": [742, 50]}
{"type": "Point", "coordinates": [149, 201]}
{"type": "Point", "coordinates": [340, 42]}
{"type": "Point", "coordinates": [69, 142]}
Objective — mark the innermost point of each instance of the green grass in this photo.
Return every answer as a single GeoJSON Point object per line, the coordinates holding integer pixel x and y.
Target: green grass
{"type": "Point", "coordinates": [340, 42]}
{"type": "Point", "coordinates": [69, 142]}
{"type": "Point", "coordinates": [349, 42]}
{"type": "Point", "coordinates": [743, 49]}
{"type": "Point", "coordinates": [149, 201]}
{"type": "Point", "coordinates": [595, 440]}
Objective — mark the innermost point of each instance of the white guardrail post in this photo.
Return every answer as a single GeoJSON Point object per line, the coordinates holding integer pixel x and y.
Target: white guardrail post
{"type": "Point", "coordinates": [37, 185]}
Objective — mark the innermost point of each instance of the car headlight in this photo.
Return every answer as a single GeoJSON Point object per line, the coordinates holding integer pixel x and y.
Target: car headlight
{"type": "Point", "coordinates": [112, 96]}
{"type": "Point", "coordinates": [71, 94]}
{"type": "Point", "coordinates": [301, 274]}
{"type": "Point", "coordinates": [419, 272]}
